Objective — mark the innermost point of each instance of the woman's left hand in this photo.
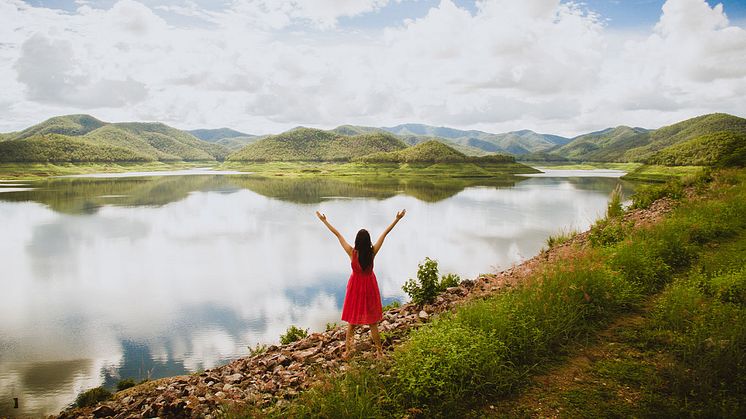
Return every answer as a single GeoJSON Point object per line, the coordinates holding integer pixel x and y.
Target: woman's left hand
{"type": "Point", "coordinates": [321, 216]}
{"type": "Point", "coordinates": [400, 214]}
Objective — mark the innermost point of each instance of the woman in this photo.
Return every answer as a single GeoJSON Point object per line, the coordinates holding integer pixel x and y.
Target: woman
{"type": "Point", "coordinates": [362, 300]}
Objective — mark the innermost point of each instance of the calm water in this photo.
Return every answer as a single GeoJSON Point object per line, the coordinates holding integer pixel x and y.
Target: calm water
{"type": "Point", "coordinates": [135, 277]}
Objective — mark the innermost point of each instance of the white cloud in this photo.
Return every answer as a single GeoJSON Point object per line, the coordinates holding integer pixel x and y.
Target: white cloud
{"type": "Point", "coordinates": [262, 66]}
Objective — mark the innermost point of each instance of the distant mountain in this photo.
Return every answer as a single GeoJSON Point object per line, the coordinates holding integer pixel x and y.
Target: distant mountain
{"type": "Point", "coordinates": [706, 139]}
{"type": "Point", "coordinates": [213, 135]}
{"type": "Point", "coordinates": [81, 138]}
{"type": "Point", "coordinates": [432, 151]}
{"type": "Point", "coordinates": [515, 142]}
{"type": "Point", "coordinates": [308, 144]}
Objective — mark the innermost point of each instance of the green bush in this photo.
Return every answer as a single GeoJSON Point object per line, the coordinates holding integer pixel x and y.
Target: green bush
{"type": "Point", "coordinates": [729, 287]}
{"type": "Point", "coordinates": [92, 396]}
{"type": "Point", "coordinates": [125, 384]}
{"type": "Point", "coordinates": [424, 290]}
{"type": "Point", "coordinates": [446, 363]}
{"type": "Point", "coordinates": [640, 264]}
{"type": "Point", "coordinates": [448, 281]}
{"type": "Point", "coordinates": [606, 232]}
{"type": "Point", "coordinates": [292, 334]}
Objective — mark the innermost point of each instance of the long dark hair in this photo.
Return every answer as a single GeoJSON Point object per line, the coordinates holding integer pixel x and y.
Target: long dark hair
{"type": "Point", "coordinates": [364, 249]}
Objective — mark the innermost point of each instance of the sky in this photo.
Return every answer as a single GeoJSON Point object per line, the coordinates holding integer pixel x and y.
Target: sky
{"type": "Point", "coordinates": [265, 66]}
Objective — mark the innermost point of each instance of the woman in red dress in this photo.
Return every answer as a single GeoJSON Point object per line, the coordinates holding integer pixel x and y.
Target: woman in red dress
{"type": "Point", "coordinates": [362, 300]}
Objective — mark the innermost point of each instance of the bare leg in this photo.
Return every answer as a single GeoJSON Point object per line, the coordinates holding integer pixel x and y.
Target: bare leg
{"type": "Point", "coordinates": [348, 341]}
{"type": "Point", "coordinates": [376, 339]}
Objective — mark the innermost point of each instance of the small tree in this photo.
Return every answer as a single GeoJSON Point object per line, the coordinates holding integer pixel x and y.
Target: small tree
{"type": "Point", "coordinates": [424, 290]}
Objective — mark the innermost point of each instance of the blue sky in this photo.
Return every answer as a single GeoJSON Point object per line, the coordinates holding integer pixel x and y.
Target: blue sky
{"type": "Point", "coordinates": [617, 13]}
{"type": "Point", "coordinates": [263, 66]}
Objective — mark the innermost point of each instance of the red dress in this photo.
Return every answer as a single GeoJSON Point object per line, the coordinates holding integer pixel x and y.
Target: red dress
{"type": "Point", "coordinates": [363, 300]}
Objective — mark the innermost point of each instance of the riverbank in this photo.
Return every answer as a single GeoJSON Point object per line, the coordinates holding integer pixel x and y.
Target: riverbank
{"type": "Point", "coordinates": [37, 171]}
{"type": "Point", "coordinates": [274, 378]}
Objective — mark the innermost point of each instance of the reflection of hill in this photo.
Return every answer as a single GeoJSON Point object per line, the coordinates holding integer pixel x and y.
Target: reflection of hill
{"type": "Point", "coordinates": [86, 195]}
{"type": "Point", "coordinates": [314, 190]}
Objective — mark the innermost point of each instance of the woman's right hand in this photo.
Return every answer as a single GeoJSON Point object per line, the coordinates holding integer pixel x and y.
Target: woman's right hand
{"type": "Point", "coordinates": [321, 216]}
{"type": "Point", "coordinates": [400, 214]}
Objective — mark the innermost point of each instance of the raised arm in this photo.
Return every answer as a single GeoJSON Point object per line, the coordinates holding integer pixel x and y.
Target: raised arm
{"type": "Point", "coordinates": [379, 243]}
{"type": "Point", "coordinates": [346, 246]}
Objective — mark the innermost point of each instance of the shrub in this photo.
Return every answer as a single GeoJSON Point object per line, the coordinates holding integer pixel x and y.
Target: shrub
{"type": "Point", "coordinates": [606, 232]}
{"type": "Point", "coordinates": [446, 363]}
{"type": "Point", "coordinates": [424, 290]}
{"type": "Point", "coordinates": [292, 334]}
{"type": "Point", "coordinates": [448, 281]}
{"type": "Point", "coordinates": [125, 384]}
{"type": "Point", "coordinates": [640, 264]}
{"type": "Point", "coordinates": [92, 396]}
{"type": "Point", "coordinates": [730, 287]}
{"type": "Point", "coordinates": [331, 326]}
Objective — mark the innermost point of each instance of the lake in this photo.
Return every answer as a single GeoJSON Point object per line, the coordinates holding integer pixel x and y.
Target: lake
{"type": "Point", "coordinates": [141, 276]}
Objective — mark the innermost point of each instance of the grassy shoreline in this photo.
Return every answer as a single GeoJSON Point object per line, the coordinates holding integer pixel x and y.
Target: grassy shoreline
{"type": "Point", "coordinates": [35, 171]}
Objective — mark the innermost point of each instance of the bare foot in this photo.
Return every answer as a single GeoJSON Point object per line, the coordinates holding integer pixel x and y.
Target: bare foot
{"type": "Point", "coordinates": [379, 354]}
{"type": "Point", "coordinates": [345, 355]}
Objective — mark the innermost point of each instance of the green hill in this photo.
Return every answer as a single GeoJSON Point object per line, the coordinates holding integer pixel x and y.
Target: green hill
{"type": "Point", "coordinates": [723, 148]}
{"type": "Point", "coordinates": [432, 151]}
{"type": "Point", "coordinates": [602, 145]}
{"type": "Point", "coordinates": [72, 125]}
{"type": "Point", "coordinates": [308, 144]}
{"type": "Point", "coordinates": [70, 137]}
{"type": "Point", "coordinates": [625, 144]}
{"type": "Point", "coordinates": [685, 131]}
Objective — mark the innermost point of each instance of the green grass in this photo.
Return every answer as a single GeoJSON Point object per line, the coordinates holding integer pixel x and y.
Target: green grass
{"type": "Point", "coordinates": [627, 167]}
{"type": "Point", "coordinates": [486, 349]}
{"type": "Point", "coordinates": [561, 237]}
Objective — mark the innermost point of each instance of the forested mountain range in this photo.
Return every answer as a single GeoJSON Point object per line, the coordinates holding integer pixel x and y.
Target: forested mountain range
{"type": "Point", "coordinates": [704, 140]}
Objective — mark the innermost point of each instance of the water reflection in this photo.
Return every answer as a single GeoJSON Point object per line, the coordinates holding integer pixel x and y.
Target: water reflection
{"type": "Point", "coordinates": [135, 277]}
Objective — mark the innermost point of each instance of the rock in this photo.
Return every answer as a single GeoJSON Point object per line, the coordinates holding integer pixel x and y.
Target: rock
{"type": "Point", "coordinates": [234, 378]}
{"type": "Point", "coordinates": [103, 411]}
{"type": "Point", "coordinates": [302, 355]}
{"type": "Point", "coordinates": [423, 315]}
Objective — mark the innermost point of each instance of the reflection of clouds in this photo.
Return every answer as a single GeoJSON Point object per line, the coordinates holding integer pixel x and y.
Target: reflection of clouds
{"type": "Point", "coordinates": [198, 280]}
